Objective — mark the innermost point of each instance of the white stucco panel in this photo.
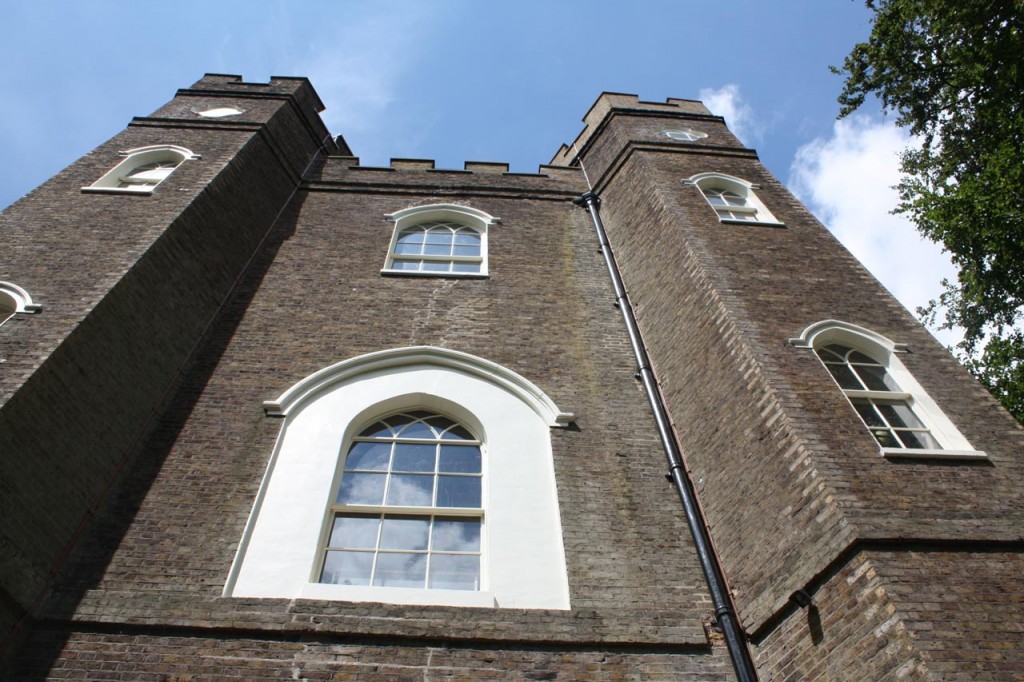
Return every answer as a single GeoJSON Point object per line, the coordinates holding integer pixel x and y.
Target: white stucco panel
{"type": "Point", "coordinates": [523, 560]}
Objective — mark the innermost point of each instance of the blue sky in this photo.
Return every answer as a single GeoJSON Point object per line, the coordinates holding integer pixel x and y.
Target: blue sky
{"type": "Point", "coordinates": [458, 80]}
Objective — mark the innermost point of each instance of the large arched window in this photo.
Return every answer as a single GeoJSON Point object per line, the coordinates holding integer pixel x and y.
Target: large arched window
{"type": "Point", "coordinates": [14, 299]}
{"type": "Point", "coordinates": [142, 169]}
{"type": "Point", "coordinates": [733, 199]}
{"type": "Point", "coordinates": [409, 476]}
{"type": "Point", "coordinates": [408, 511]}
{"type": "Point", "coordinates": [896, 410]}
{"type": "Point", "coordinates": [439, 240]}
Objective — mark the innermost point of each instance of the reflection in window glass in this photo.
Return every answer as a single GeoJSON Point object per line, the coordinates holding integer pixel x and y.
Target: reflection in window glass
{"type": "Point", "coordinates": [393, 468]}
{"type": "Point", "coordinates": [438, 247]}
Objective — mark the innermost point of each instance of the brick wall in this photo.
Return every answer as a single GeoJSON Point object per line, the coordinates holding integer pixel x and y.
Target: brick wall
{"type": "Point", "coordinates": [160, 552]}
{"type": "Point", "coordinates": [788, 476]}
{"type": "Point", "coordinates": [127, 284]}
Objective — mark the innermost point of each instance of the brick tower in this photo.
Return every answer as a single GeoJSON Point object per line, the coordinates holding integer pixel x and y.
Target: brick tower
{"type": "Point", "coordinates": [267, 413]}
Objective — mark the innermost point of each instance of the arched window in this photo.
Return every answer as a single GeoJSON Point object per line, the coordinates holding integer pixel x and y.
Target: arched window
{"type": "Point", "coordinates": [685, 135]}
{"type": "Point", "coordinates": [409, 476]}
{"type": "Point", "coordinates": [408, 510]}
{"type": "Point", "coordinates": [142, 169]}
{"type": "Point", "coordinates": [733, 199]}
{"type": "Point", "coordinates": [894, 407]}
{"type": "Point", "coordinates": [439, 240]}
{"type": "Point", "coordinates": [878, 399]}
{"type": "Point", "coordinates": [14, 299]}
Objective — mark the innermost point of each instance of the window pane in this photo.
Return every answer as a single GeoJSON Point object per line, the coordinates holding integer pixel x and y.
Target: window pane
{"type": "Point", "coordinates": [368, 456]}
{"type": "Point", "coordinates": [460, 459]}
{"type": "Point", "coordinates": [347, 568]}
{"type": "Point", "coordinates": [463, 250]}
{"type": "Point", "coordinates": [380, 429]}
{"type": "Point", "coordinates": [457, 432]}
{"type": "Point", "coordinates": [832, 353]}
{"type": "Point", "coordinates": [435, 248]}
{"type": "Point", "coordinates": [404, 532]}
{"type": "Point", "coordinates": [404, 248]}
{"type": "Point", "coordinates": [355, 531]}
{"type": "Point", "coordinates": [844, 377]}
{"type": "Point", "coordinates": [733, 199]}
{"type": "Point", "coordinates": [410, 490]}
{"type": "Point", "coordinates": [465, 267]}
{"type": "Point", "coordinates": [467, 238]}
{"type": "Point", "coordinates": [456, 534]}
{"type": "Point", "coordinates": [458, 491]}
{"type": "Point", "coordinates": [918, 440]}
{"type": "Point", "coordinates": [876, 378]}
{"type": "Point", "coordinates": [899, 414]}
{"type": "Point", "coordinates": [414, 457]}
{"type": "Point", "coordinates": [411, 236]}
{"type": "Point", "coordinates": [400, 570]}
{"type": "Point", "coordinates": [406, 265]}
{"type": "Point", "coordinates": [439, 423]}
{"type": "Point", "coordinates": [867, 412]}
{"type": "Point", "coordinates": [416, 429]}
{"type": "Point", "coordinates": [715, 199]}
{"type": "Point", "coordinates": [435, 266]}
{"type": "Point", "coordinates": [361, 489]}
{"type": "Point", "coordinates": [454, 572]}
{"type": "Point", "coordinates": [861, 359]}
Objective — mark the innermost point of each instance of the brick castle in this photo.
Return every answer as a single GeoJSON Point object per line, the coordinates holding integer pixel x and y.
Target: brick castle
{"type": "Point", "coordinates": [266, 413]}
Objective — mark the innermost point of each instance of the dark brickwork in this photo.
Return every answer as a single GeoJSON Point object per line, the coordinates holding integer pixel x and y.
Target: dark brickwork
{"type": "Point", "coordinates": [788, 477]}
{"type": "Point", "coordinates": [143, 657]}
{"type": "Point", "coordinates": [135, 398]}
{"type": "Point", "coordinates": [127, 284]}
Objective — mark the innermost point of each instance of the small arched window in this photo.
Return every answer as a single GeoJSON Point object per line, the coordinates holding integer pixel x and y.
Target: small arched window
{"type": "Point", "coordinates": [408, 510]}
{"type": "Point", "coordinates": [685, 135]}
{"type": "Point", "coordinates": [439, 240]}
{"type": "Point", "coordinates": [142, 169]}
{"type": "Point", "coordinates": [733, 199]}
{"type": "Point", "coordinates": [894, 407]}
{"type": "Point", "coordinates": [14, 299]}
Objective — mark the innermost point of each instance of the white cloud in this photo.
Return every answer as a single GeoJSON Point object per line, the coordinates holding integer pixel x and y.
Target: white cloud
{"type": "Point", "coordinates": [358, 70]}
{"type": "Point", "coordinates": [846, 180]}
{"type": "Point", "coordinates": [726, 101]}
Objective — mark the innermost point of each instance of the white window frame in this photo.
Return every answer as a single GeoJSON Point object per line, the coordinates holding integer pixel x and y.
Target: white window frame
{"type": "Point", "coordinates": [752, 206]}
{"type": "Point", "coordinates": [18, 301]}
{"type": "Point", "coordinates": [118, 179]}
{"type": "Point", "coordinates": [431, 513]}
{"type": "Point", "coordinates": [465, 216]}
{"type": "Point", "coordinates": [886, 352]}
{"type": "Point", "coordinates": [522, 558]}
{"type": "Point", "coordinates": [685, 135]}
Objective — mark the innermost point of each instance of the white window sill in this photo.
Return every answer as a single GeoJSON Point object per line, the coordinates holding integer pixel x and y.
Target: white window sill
{"type": "Point", "coordinates": [423, 273]}
{"type": "Point", "coordinates": [398, 595]}
{"type": "Point", "coordinates": [922, 453]}
{"type": "Point", "coordinates": [118, 190]}
{"type": "Point", "coordinates": [763, 223]}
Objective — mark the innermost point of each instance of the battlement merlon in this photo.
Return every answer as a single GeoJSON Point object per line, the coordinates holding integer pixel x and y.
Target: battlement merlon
{"type": "Point", "coordinates": [608, 102]}
{"type": "Point", "coordinates": [230, 84]}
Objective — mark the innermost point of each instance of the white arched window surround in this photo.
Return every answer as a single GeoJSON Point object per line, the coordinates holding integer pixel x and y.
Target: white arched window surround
{"type": "Point", "coordinates": [14, 299]}
{"type": "Point", "coordinates": [458, 260]}
{"type": "Point", "coordinates": [733, 199]}
{"type": "Point", "coordinates": [952, 444]}
{"type": "Point", "coordinates": [522, 558]}
{"type": "Point", "coordinates": [142, 169]}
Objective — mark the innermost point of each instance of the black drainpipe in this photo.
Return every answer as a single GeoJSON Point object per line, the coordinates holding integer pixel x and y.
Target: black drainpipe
{"type": "Point", "coordinates": [724, 611]}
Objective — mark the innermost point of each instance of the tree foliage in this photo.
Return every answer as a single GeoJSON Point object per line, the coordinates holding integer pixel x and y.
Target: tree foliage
{"type": "Point", "coordinates": [953, 73]}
